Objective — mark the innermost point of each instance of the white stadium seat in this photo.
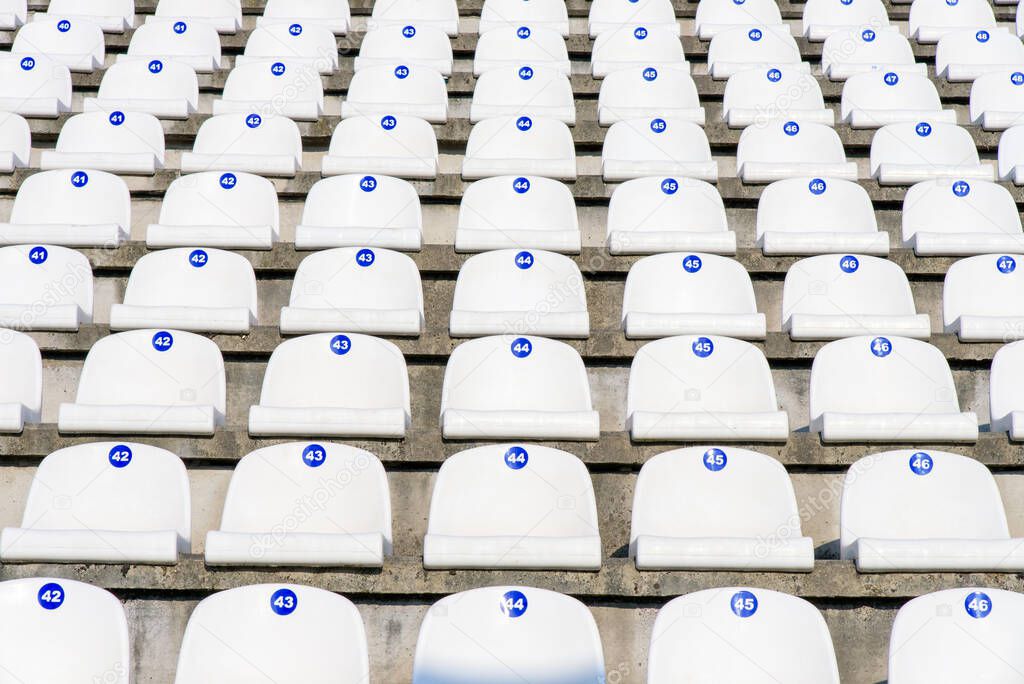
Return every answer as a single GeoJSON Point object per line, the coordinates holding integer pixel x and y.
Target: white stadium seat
{"type": "Point", "coordinates": [737, 634]}
{"type": "Point", "coordinates": [520, 146]}
{"type": "Point", "coordinates": [905, 153]}
{"type": "Point", "coordinates": [73, 208]}
{"type": "Point", "coordinates": [332, 14]}
{"type": "Point", "coordinates": [44, 287]}
{"type": "Point", "coordinates": [350, 527]}
{"type": "Point", "coordinates": [757, 525]}
{"type": "Point", "coordinates": [498, 507]}
{"type": "Point", "coordinates": [113, 16]}
{"type": "Point", "coordinates": [515, 46]}
{"type": "Point", "coordinates": [88, 622]}
{"type": "Point", "coordinates": [224, 15]}
{"type": "Point", "coordinates": [271, 88]}
{"type": "Point", "coordinates": [399, 90]}
{"type": "Point", "coordinates": [784, 148]}
{"type": "Point", "coordinates": [508, 635]}
{"type": "Point", "coordinates": [958, 522]}
{"type": "Point", "coordinates": [858, 50]}
{"type": "Point", "coordinates": [947, 217]}
{"type": "Point", "coordinates": [21, 381]}
{"type": "Point", "coordinates": [523, 91]}
{"type": "Point", "coordinates": [213, 209]}
{"type": "Point", "coordinates": [636, 47]}
{"type": "Point", "coordinates": [306, 47]}
{"type": "Point", "coordinates": [635, 148]}
{"type": "Point", "coordinates": [200, 290]}
{"type": "Point", "coordinates": [818, 216]}
{"type": "Point", "coordinates": [715, 16]}
{"type": "Point", "coordinates": [374, 291]}
{"type": "Point", "coordinates": [1011, 155]}
{"type": "Point", "coordinates": [997, 99]}
{"type": "Point", "coordinates": [505, 212]}
{"type": "Point", "coordinates": [983, 298]}
{"type": "Point", "coordinates": [930, 20]}
{"type": "Point", "coordinates": [264, 145]}
{"type": "Point", "coordinates": [548, 14]}
{"type": "Point", "coordinates": [15, 142]}
{"type": "Point", "coordinates": [692, 388]}
{"type": "Point", "coordinates": [412, 45]}
{"type": "Point", "coordinates": [875, 99]}
{"type": "Point", "coordinates": [832, 296]}
{"type": "Point", "coordinates": [652, 215]}
{"type": "Point", "coordinates": [148, 381]}
{"type": "Point", "coordinates": [168, 90]}
{"type": "Point", "coordinates": [1019, 23]}
{"type": "Point", "coordinates": [195, 43]}
{"type": "Point", "coordinates": [239, 635]}
{"type": "Point", "coordinates": [639, 91]}
{"type": "Point", "coordinates": [361, 211]}
{"type": "Point", "coordinates": [969, 634]}
{"type": "Point", "coordinates": [822, 18]}
{"type": "Point", "coordinates": [757, 96]}
{"type": "Point", "coordinates": [886, 389]}
{"type": "Point", "coordinates": [34, 85]}
{"type": "Point", "coordinates": [1006, 400]}
{"type": "Point", "coordinates": [13, 14]}
{"type": "Point", "coordinates": [122, 503]}
{"type": "Point", "coordinates": [437, 14]}
{"type": "Point", "coordinates": [118, 142]}
{"type": "Point", "coordinates": [682, 293]}
{"type": "Point", "coordinates": [329, 384]}
{"type": "Point", "coordinates": [517, 291]}
{"type": "Point", "coordinates": [506, 387]}
{"type": "Point", "coordinates": [77, 44]}
{"type": "Point", "coordinates": [402, 146]}
{"type": "Point", "coordinates": [615, 15]}
{"type": "Point", "coordinates": [753, 47]}
{"type": "Point", "coordinates": [968, 53]}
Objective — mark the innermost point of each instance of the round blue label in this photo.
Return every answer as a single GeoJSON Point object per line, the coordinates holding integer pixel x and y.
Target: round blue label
{"type": "Point", "coordinates": [79, 179]}
{"type": "Point", "coordinates": [1017, 78]}
{"type": "Point", "coordinates": [891, 78]}
{"type": "Point", "coordinates": [952, 3]}
{"type": "Point", "coordinates": [156, 66]}
{"type": "Point", "coordinates": [524, 123]}
{"type": "Point", "coordinates": [340, 344]}
{"type": "Point", "coordinates": [521, 347]}
{"type": "Point", "coordinates": [923, 129]}
{"type": "Point", "coordinates": [715, 460]}
{"type": "Point", "coordinates": [524, 260]}
{"type": "Point", "coordinates": [513, 604]}
{"type": "Point", "coordinates": [658, 125]}
{"type": "Point", "coordinates": [198, 258]}
{"type": "Point", "coordinates": [284, 601]}
{"type": "Point", "coordinates": [28, 63]}
{"type": "Point", "coordinates": [669, 186]}
{"type": "Point", "coordinates": [38, 255]}
{"type": "Point", "coordinates": [846, 2]}
{"type": "Point", "coordinates": [365, 257]}
{"type": "Point", "coordinates": [867, 35]}
{"type": "Point", "coordinates": [295, 29]}
{"type": "Point", "coordinates": [314, 455]}
{"type": "Point", "coordinates": [755, 34]}
{"type": "Point", "coordinates": [116, 118]}
{"type": "Point", "coordinates": [523, 32]}
{"type": "Point", "coordinates": [692, 263]}
{"type": "Point", "coordinates": [739, 2]}
{"type": "Point", "coordinates": [277, 68]}
{"type": "Point", "coordinates": [961, 188]}
{"type": "Point", "coordinates": [253, 120]}
{"type": "Point", "coordinates": [516, 457]}
{"type": "Point", "coordinates": [703, 347]}
{"type": "Point", "coordinates": [180, 27]}
{"type": "Point", "coordinates": [63, 25]}
{"type": "Point", "coordinates": [50, 596]}
{"type": "Point", "coordinates": [526, 73]}
{"type": "Point", "coordinates": [650, 74]}
{"type": "Point", "coordinates": [228, 180]}
{"type": "Point", "coordinates": [367, 183]}
{"type": "Point", "coordinates": [981, 36]}
{"type": "Point", "coordinates": [163, 341]}
{"type": "Point", "coordinates": [521, 185]}
{"type": "Point", "coordinates": [921, 463]}
{"type": "Point", "coordinates": [401, 72]}
{"type": "Point", "coordinates": [978, 605]}
{"type": "Point", "coordinates": [1006, 264]}
{"type": "Point", "coordinates": [743, 604]}
{"type": "Point", "coordinates": [388, 122]}
{"type": "Point", "coordinates": [849, 264]}
{"type": "Point", "coordinates": [881, 346]}
{"type": "Point", "coordinates": [791, 128]}
{"type": "Point", "coordinates": [817, 186]}
{"type": "Point", "coordinates": [409, 31]}
{"type": "Point", "coordinates": [639, 33]}
{"type": "Point", "coordinates": [120, 455]}
{"type": "Point", "coordinates": [774, 75]}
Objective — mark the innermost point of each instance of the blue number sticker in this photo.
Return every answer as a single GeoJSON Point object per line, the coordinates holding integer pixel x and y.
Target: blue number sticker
{"type": "Point", "coordinates": [921, 463]}
{"type": "Point", "coordinates": [521, 185]}
{"type": "Point", "coordinates": [755, 34]}
{"type": "Point", "coordinates": [891, 78]}
{"type": "Point", "coordinates": [524, 260]}
{"type": "Point", "coordinates": [516, 457]}
{"type": "Point", "coordinates": [817, 186]}
{"type": "Point", "coordinates": [715, 460]}
{"type": "Point", "coordinates": [978, 605]}
{"type": "Point", "coordinates": [1006, 264]}
{"type": "Point", "coordinates": [180, 27]}
{"type": "Point", "coordinates": [409, 31]}
{"type": "Point", "coordinates": [703, 347]}
{"type": "Point", "coordinates": [952, 3]}
{"type": "Point", "coordinates": [774, 75]}
{"type": "Point", "coordinates": [120, 455]}
{"type": "Point", "coordinates": [639, 33]}
{"type": "Point", "coordinates": [79, 179]}
{"type": "Point", "coordinates": [867, 35]}
{"type": "Point", "coordinates": [50, 596]}
{"type": "Point", "coordinates": [314, 455]}
{"type": "Point", "coordinates": [1017, 78]}
{"type": "Point", "coordinates": [162, 340]}
{"type": "Point", "coordinates": [367, 183]}
{"type": "Point", "coordinates": [38, 255]}
{"type": "Point", "coordinates": [881, 347]}
{"type": "Point", "coordinates": [738, 2]}
{"type": "Point", "coordinates": [670, 186]}
{"type": "Point", "coordinates": [63, 25]}
{"type": "Point", "coordinates": [28, 63]}
{"type": "Point", "coordinates": [116, 118]}
{"type": "Point", "coordinates": [981, 36]}
{"type": "Point", "coordinates": [198, 258]}
{"type": "Point", "coordinates": [524, 123]}
{"type": "Point", "coordinates": [365, 257]}
{"type": "Point", "coordinates": [277, 68]}
{"type": "Point", "coordinates": [295, 29]}
{"type": "Point", "coordinates": [253, 120]}
{"type": "Point", "coordinates": [388, 122]}
{"type": "Point", "coordinates": [523, 32]}
{"type": "Point", "coordinates": [923, 129]}
{"type": "Point", "coordinates": [692, 263]}
{"type": "Point", "coordinates": [658, 125]}
{"type": "Point", "coordinates": [156, 66]}
{"type": "Point", "coordinates": [526, 73]}
{"type": "Point", "coordinates": [228, 180]}
{"type": "Point", "coordinates": [961, 188]}
{"type": "Point", "coordinates": [341, 344]}
{"type": "Point", "coordinates": [743, 604]}
{"type": "Point", "coordinates": [791, 128]}
{"type": "Point", "coordinates": [846, 2]}
{"type": "Point", "coordinates": [284, 601]}
{"type": "Point", "coordinates": [650, 74]}
{"type": "Point", "coordinates": [521, 347]}
{"type": "Point", "coordinates": [513, 604]}
{"type": "Point", "coordinates": [401, 72]}
{"type": "Point", "coordinates": [849, 264]}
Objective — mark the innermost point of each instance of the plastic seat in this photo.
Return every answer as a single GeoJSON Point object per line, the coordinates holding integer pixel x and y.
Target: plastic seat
{"type": "Point", "coordinates": [328, 384]}
{"type": "Point", "coordinates": [113, 16]}
{"type": "Point", "coordinates": [642, 91]}
{"type": "Point", "coordinates": [975, 637]}
{"type": "Point", "coordinates": [195, 43]}
{"type": "Point", "coordinates": [200, 290]}
{"type": "Point", "coordinates": [652, 215]}
{"type": "Point", "coordinates": [753, 47]}
{"type": "Point", "coordinates": [757, 527]}
{"type": "Point", "coordinates": [44, 288]}
{"type": "Point", "coordinates": [861, 50]}
{"type": "Point", "coordinates": [168, 90]}
{"type": "Point", "coordinates": [506, 212]}
{"type": "Point", "coordinates": [21, 389]}
{"type": "Point", "coordinates": [886, 389]}
{"type": "Point", "coordinates": [791, 149]}
{"type": "Point", "coordinates": [437, 14]}
{"type": "Point", "coordinates": [122, 503]}
{"type": "Point", "coordinates": [15, 142]}
{"type": "Point", "coordinates": [1011, 155]}
{"type": "Point", "coordinates": [238, 635]}
{"type": "Point", "coordinates": [523, 91]}
{"type": "Point", "coordinates": [118, 142]}
{"type": "Point", "coordinates": [391, 145]}
{"type": "Point", "coordinates": [520, 146]}
{"type": "Point", "coordinates": [515, 46]}
{"type": "Point", "coordinates": [997, 100]}
{"type": "Point", "coordinates": [690, 388]}
{"type": "Point", "coordinates": [873, 100]}
{"type": "Point", "coordinates": [213, 209]}
{"type": "Point", "coordinates": [832, 296]}
{"type": "Point", "coordinates": [1006, 400]}
{"type": "Point", "coordinates": [357, 211]}
{"type": "Point", "coordinates": [87, 621]}
{"type": "Point", "coordinates": [351, 527]}
{"type": "Point", "coordinates": [272, 88]}
{"type": "Point", "coordinates": [522, 292]}
{"type": "Point", "coordinates": [683, 293]}
{"type": "Point", "coordinates": [906, 153]}
{"type": "Point", "coordinates": [635, 148]}
{"type": "Point", "coordinates": [741, 634]}
{"type": "Point", "coordinates": [398, 90]}
{"type": "Point", "coordinates": [332, 14]}
{"type": "Point", "coordinates": [637, 47]}
{"type": "Point", "coordinates": [14, 13]}
{"type": "Point", "coordinates": [77, 44]}
{"type": "Point", "coordinates": [508, 635]}
{"type": "Point", "coordinates": [148, 381]}
{"type": "Point", "coordinates": [263, 145]}
{"type": "Point", "coordinates": [822, 18]}
{"type": "Point", "coordinates": [73, 208]}
{"type": "Point", "coordinates": [818, 216]}
{"type": "Point", "coordinates": [296, 44]}
{"type": "Point", "coordinates": [757, 96]}
{"type": "Point", "coordinates": [966, 54]}
{"type": "Point", "coordinates": [34, 85]}
{"type": "Point", "coordinates": [982, 298]}
{"type": "Point", "coordinates": [374, 291]}
{"type": "Point", "coordinates": [715, 16]}
{"type": "Point", "coordinates": [497, 507]}
{"type": "Point", "coordinates": [1019, 23]}
{"type": "Point", "coordinates": [614, 15]}
{"type": "Point", "coordinates": [953, 217]}
{"type": "Point", "coordinates": [224, 15]}
{"type": "Point", "coordinates": [545, 14]}
{"type": "Point", "coordinates": [411, 45]}
{"type": "Point", "coordinates": [506, 387]}
{"type": "Point", "coordinates": [930, 20]}
{"type": "Point", "coordinates": [958, 524]}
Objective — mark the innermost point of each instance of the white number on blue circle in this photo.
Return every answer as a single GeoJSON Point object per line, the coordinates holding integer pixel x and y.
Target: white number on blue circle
{"type": "Point", "coordinates": [881, 346]}
{"type": "Point", "coordinates": [521, 185]}
{"type": "Point", "coordinates": [715, 460]}
{"type": "Point", "coordinates": [253, 120]}
{"type": "Point", "coordinates": [38, 255]}
{"type": "Point", "coordinates": [639, 33]}
{"type": "Point", "coordinates": [791, 127]}
{"type": "Point", "coordinates": [754, 34]}
{"type": "Point", "coordinates": [923, 129]}
{"type": "Point", "coordinates": [156, 66]}
{"type": "Point", "coordinates": [277, 68]}
{"type": "Point", "coordinates": [116, 118]}
{"type": "Point", "coordinates": [978, 605]}
{"type": "Point", "coordinates": [28, 64]}
{"type": "Point", "coordinates": [295, 29]}
{"type": "Point", "coordinates": [524, 123]}
{"type": "Point", "coordinates": [743, 604]}
{"type": "Point", "coordinates": [162, 341]}
{"type": "Point", "coordinates": [523, 32]}
{"type": "Point", "coordinates": [365, 257]}
{"type": "Point", "coordinates": [981, 36]}
{"type": "Point", "coordinates": [516, 457]}
{"type": "Point", "coordinates": [669, 186]}
{"type": "Point", "coordinates": [180, 27]}
{"type": "Point", "coordinates": [79, 179]}
{"type": "Point", "coordinates": [521, 347]}
{"type": "Point", "coordinates": [409, 31]}
{"type": "Point", "coordinates": [64, 26]}
{"type": "Point", "coordinates": [284, 601]}
{"type": "Point", "coordinates": [368, 184]}
{"type": "Point", "coordinates": [774, 75]}
{"type": "Point", "coordinates": [849, 264]}
{"type": "Point", "coordinates": [891, 78]}
{"type": "Point", "coordinates": [401, 71]}
{"type": "Point", "coordinates": [314, 455]}
{"type": "Point", "coordinates": [513, 604]}
{"type": "Point", "coordinates": [703, 347]}
{"type": "Point", "coordinates": [341, 344]}
{"type": "Point", "coordinates": [1017, 78]}
{"type": "Point", "coordinates": [388, 122]}
{"type": "Point", "coordinates": [524, 260]}
{"type": "Point", "coordinates": [867, 35]}
{"type": "Point", "coordinates": [228, 180]}
{"type": "Point", "coordinates": [650, 74]}
{"type": "Point", "coordinates": [921, 463]}
{"type": "Point", "coordinates": [817, 186]}
{"type": "Point", "coordinates": [526, 73]}
{"type": "Point", "coordinates": [50, 596]}
{"type": "Point", "coordinates": [120, 455]}
{"type": "Point", "coordinates": [198, 258]}
{"type": "Point", "coordinates": [1006, 264]}
{"type": "Point", "coordinates": [658, 125]}
{"type": "Point", "coordinates": [692, 263]}
{"type": "Point", "coordinates": [961, 188]}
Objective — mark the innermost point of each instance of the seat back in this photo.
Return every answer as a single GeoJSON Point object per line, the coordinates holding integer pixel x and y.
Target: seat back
{"type": "Point", "coordinates": [959, 206]}
{"type": "Point", "coordinates": [34, 76]}
{"type": "Point", "coordinates": [790, 141]}
{"type": "Point", "coordinates": [980, 46]}
{"type": "Point", "coordinates": [181, 38]}
{"type": "Point", "coordinates": [1006, 392]}
{"type": "Point", "coordinates": [284, 41]}
{"type": "Point", "coordinates": [387, 136]}
{"type": "Point", "coordinates": [325, 10]}
{"type": "Point", "coordinates": [888, 91]}
{"type": "Point", "coordinates": [520, 281]}
{"type": "Point", "coordinates": [825, 205]}
{"type": "Point", "coordinates": [94, 8]}
{"type": "Point", "coordinates": [941, 144]}
{"type": "Point", "coordinates": [274, 84]}
{"type": "Point", "coordinates": [846, 285]}
{"type": "Point", "coordinates": [866, 47]}
{"type": "Point", "coordinates": [152, 80]}
{"type": "Point", "coordinates": [753, 45]}
{"type": "Point", "coordinates": [407, 44]}
{"type": "Point", "coordinates": [997, 91]}
{"type": "Point", "coordinates": [649, 204]}
{"type": "Point", "coordinates": [116, 132]}
{"type": "Point", "coordinates": [201, 9]}
{"type": "Point", "coordinates": [679, 282]}
{"type": "Point", "coordinates": [21, 373]}
{"type": "Point", "coordinates": [15, 136]}
{"type": "Point", "coordinates": [668, 140]}
{"type": "Point", "coordinates": [636, 43]}
{"type": "Point", "coordinates": [442, 13]}
{"type": "Point", "coordinates": [193, 278]}
{"type": "Point", "coordinates": [73, 198]}
{"type": "Point", "coordinates": [38, 277]}
{"type": "Point", "coordinates": [844, 13]}
{"type": "Point", "coordinates": [522, 137]}
{"type": "Point", "coordinates": [495, 13]}
{"type": "Point", "coordinates": [1011, 151]}
{"type": "Point", "coordinates": [354, 278]}
{"type": "Point", "coordinates": [651, 87]}
{"type": "Point", "coordinates": [212, 198]}
{"type": "Point", "coordinates": [612, 15]}
{"type": "Point", "coordinates": [529, 88]}
{"type": "Point", "coordinates": [362, 201]}
{"type": "Point", "coordinates": [386, 85]}
{"type": "Point", "coordinates": [81, 41]}
{"type": "Point", "coordinates": [773, 92]}
{"type": "Point", "coordinates": [730, 12]}
{"type": "Point", "coordinates": [941, 14]}
{"type": "Point", "coordinates": [511, 202]}
{"type": "Point", "coordinates": [249, 134]}
{"type": "Point", "coordinates": [533, 45]}
{"type": "Point", "coordinates": [983, 285]}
